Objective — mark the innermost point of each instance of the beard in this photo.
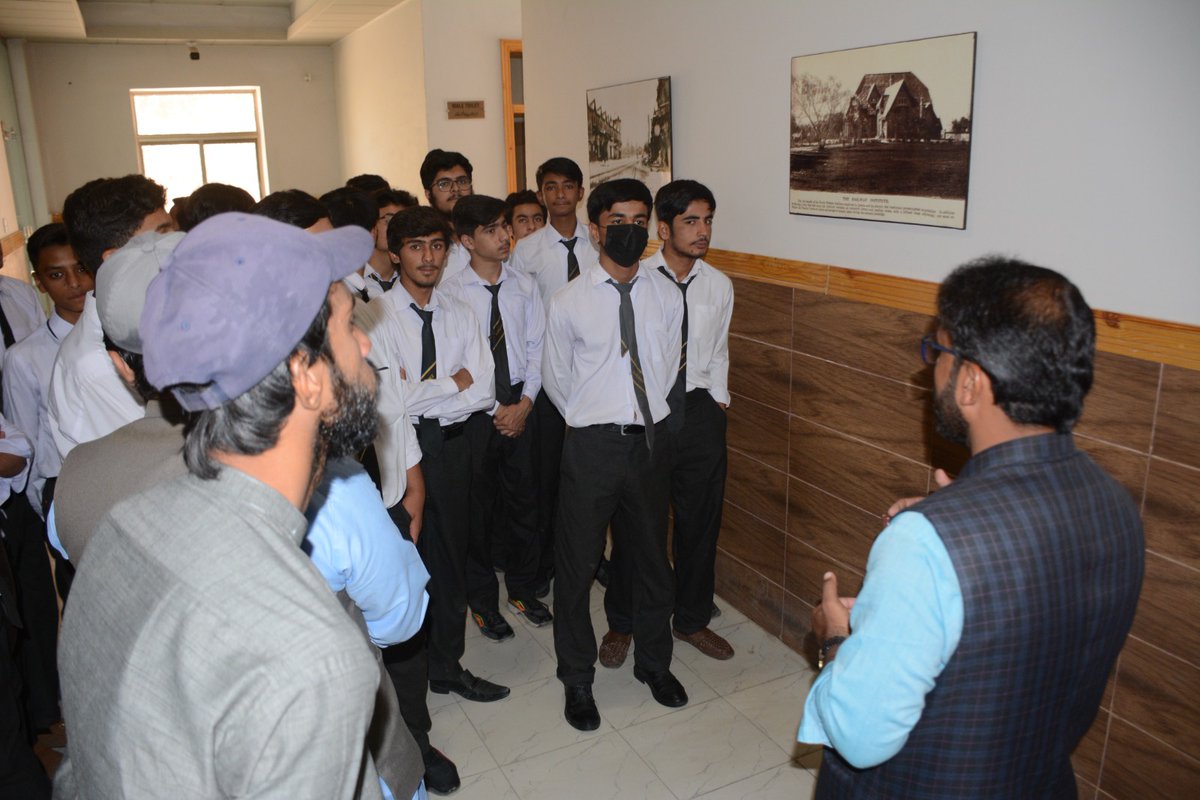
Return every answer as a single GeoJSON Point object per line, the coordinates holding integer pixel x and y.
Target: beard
{"type": "Point", "coordinates": [355, 422]}
{"type": "Point", "coordinates": [947, 416]}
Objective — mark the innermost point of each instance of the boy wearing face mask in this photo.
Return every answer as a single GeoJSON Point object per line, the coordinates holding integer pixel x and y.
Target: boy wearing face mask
{"type": "Point", "coordinates": [611, 352]}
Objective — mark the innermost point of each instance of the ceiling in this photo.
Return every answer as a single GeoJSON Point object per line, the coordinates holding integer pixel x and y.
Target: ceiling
{"type": "Point", "coordinates": [201, 21]}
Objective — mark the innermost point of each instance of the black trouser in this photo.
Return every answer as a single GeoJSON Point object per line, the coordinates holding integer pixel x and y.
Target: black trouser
{"type": "Point", "coordinates": [550, 429]}
{"type": "Point", "coordinates": [612, 478]}
{"type": "Point", "coordinates": [37, 646]}
{"type": "Point", "coordinates": [407, 663]}
{"type": "Point", "coordinates": [503, 506]}
{"type": "Point", "coordinates": [445, 532]}
{"type": "Point", "coordinates": [698, 464]}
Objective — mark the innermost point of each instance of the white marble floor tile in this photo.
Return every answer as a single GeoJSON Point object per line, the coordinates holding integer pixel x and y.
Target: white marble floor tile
{"type": "Point", "coordinates": [703, 747]}
{"type": "Point", "coordinates": [730, 616]}
{"type": "Point", "coordinates": [624, 701]}
{"type": "Point", "coordinates": [600, 768]}
{"type": "Point", "coordinates": [527, 723]}
{"type": "Point", "coordinates": [521, 659]}
{"type": "Point", "coordinates": [788, 782]}
{"type": "Point", "coordinates": [758, 657]}
{"type": "Point", "coordinates": [435, 700]}
{"type": "Point", "coordinates": [775, 707]}
{"type": "Point", "coordinates": [490, 785]}
{"type": "Point", "coordinates": [455, 736]}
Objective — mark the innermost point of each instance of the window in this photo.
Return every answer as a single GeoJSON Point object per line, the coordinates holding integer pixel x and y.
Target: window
{"type": "Point", "coordinates": [189, 137]}
{"type": "Point", "coordinates": [512, 76]}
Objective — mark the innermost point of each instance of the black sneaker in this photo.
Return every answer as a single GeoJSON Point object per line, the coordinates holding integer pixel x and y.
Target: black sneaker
{"type": "Point", "coordinates": [534, 611]}
{"type": "Point", "coordinates": [493, 625]}
{"type": "Point", "coordinates": [441, 776]}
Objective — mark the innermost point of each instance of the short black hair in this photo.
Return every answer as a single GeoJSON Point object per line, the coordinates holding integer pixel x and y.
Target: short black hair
{"type": "Point", "coordinates": [438, 160]}
{"type": "Point", "coordinates": [396, 197]}
{"type": "Point", "coordinates": [291, 206]}
{"type": "Point", "coordinates": [1030, 330]}
{"type": "Point", "coordinates": [413, 222]}
{"type": "Point", "coordinates": [52, 235]}
{"type": "Point", "coordinates": [673, 199]}
{"type": "Point", "coordinates": [368, 183]}
{"type": "Point", "coordinates": [521, 198]}
{"type": "Point", "coordinates": [250, 423]}
{"type": "Point", "coordinates": [105, 213]}
{"type": "Point", "coordinates": [622, 190]}
{"type": "Point", "coordinates": [212, 199]}
{"type": "Point", "coordinates": [349, 206]}
{"type": "Point", "coordinates": [480, 211]}
{"type": "Point", "coordinates": [559, 165]}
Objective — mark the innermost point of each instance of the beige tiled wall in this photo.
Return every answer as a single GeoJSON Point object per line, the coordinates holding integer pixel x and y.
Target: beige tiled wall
{"type": "Point", "coordinates": [830, 422]}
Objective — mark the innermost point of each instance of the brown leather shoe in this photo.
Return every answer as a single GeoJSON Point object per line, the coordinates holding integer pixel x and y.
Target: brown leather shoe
{"type": "Point", "coordinates": [706, 642]}
{"type": "Point", "coordinates": [614, 647]}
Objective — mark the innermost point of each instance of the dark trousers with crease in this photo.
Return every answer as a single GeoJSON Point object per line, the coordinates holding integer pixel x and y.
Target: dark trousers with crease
{"type": "Point", "coordinates": [698, 466]}
{"type": "Point", "coordinates": [407, 664]}
{"type": "Point", "coordinates": [550, 429]}
{"type": "Point", "coordinates": [504, 506]}
{"type": "Point", "coordinates": [612, 479]}
{"type": "Point", "coordinates": [443, 542]}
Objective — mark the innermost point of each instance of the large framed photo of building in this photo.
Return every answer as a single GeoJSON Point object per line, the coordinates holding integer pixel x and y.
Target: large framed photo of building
{"type": "Point", "coordinates": [629, 132]}
{"type": "Point", "coordinates": [884, 133]}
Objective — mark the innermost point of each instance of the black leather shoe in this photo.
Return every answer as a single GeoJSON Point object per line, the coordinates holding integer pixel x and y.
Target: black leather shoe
{"type": "Point", "coordinates": [470, 688]}
{"type": "Point", "coordinates": [581, 710]}
{"type": "Point", "coordinates": [441, 776]}
{"type": "Point", "coordinates": [665, 687]}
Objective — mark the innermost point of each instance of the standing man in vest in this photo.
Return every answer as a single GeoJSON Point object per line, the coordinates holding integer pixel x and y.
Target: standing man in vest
{"type": "Point", "coordinates": [974, 659]}
{"type": "Point", "coordinates": [698, 399]}
{"type": "Point", "coordinates": [553, 255]}
{"type": "Point", "coordinates": [611, 353]}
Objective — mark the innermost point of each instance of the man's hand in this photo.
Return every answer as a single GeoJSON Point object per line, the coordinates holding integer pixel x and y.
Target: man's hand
{"type": "Point", "coordinates": [510, 420]}
{"type": "Point", "coordinates": [939, 477]}
{"type": "Point", "coordinates": [831, 617]}
{"type": "Point", "coordinates": [463, 379]}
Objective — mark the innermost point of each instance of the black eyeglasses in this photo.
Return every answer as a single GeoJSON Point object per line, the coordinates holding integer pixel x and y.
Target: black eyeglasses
{"type": "Point", "coordinates": [446, 184]}
{"type": "Point", "coordinates": [930, 348]}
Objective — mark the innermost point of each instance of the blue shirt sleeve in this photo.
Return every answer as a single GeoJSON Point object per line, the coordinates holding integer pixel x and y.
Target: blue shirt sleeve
{"type": "Point", "coordinates": [356, 547]}
{"type": "Point", "coordinates": [52, 534]}
{"type": "Point", "coordinates": [905, 626]}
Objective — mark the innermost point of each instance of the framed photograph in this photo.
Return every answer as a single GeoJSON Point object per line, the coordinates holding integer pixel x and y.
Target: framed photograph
{"type": "Point", "coordinates": [883, 133]}
{"type": "Point", "coordinates": [629, 132]}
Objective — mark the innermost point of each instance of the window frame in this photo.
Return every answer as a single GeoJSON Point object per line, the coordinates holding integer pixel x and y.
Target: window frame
{"type": "Point", "coordinates": [509, 48]}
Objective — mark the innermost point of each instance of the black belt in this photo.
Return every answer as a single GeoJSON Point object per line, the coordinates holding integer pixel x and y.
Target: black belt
{"type": "Point", "coordinates": [449, 431]}
{"type": "Point", "coordinates": [623, 430]}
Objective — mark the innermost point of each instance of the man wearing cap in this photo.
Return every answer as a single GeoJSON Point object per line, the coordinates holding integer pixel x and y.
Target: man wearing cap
{"type": "Point", "coordinates": [228, 665]}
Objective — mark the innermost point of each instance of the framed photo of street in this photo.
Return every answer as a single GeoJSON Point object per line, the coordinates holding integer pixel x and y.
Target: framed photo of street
{"type": "Point", "coordinates": [629, 132]}
{"type": "Point", "coordinates": [883, 133]}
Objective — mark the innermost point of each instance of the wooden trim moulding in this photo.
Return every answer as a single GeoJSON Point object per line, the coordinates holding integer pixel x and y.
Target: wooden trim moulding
{"type": "Point", "coordinates": [1123, 334]}
{"type": "Point", "coordinates": [12, 243]}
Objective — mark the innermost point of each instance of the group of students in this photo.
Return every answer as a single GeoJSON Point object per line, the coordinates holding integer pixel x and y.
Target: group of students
{"type": "Point", "coordinates": [521, 403]}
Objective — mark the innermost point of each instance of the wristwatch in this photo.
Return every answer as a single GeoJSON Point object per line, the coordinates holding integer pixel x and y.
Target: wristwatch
{"type": "Point", "coordinates": [826, 646]}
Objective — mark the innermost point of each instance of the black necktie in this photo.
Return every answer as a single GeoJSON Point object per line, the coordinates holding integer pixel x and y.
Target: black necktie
{"type": "Point", "coordinates": [629, 344]}
{"type": "Point", "coordinates": [6, 329]}
{"type": "Point", "coordinates": [366, 298]}
{"type": "Point", "coordinates": [676, 398]}
{"type": "Point", "coordinates": [572, 260]}
{"type": "Point", "coordinates": [385, 285]}
{"type": "Point", "coordinates": [499, 349]}
{"type": "Point", "coordinates": [429, 430]}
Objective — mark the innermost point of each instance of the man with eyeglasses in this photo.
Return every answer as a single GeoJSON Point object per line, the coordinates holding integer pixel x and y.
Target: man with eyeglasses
{"type": "Point", "coordinates": [446, 176]}
{"type": "Point", "coordinates": [975, 657]}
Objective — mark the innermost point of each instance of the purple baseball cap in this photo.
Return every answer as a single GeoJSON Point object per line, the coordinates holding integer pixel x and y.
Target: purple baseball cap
{"type": "Point", "coordinates": [234, 300]}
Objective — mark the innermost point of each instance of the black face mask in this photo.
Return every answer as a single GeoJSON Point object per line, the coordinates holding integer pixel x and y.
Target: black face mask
{"type": "Point", "coordinates": [625, 244]}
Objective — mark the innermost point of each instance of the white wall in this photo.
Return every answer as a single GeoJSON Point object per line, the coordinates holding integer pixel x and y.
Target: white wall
{"type": "Point", "coordinates": [1085, 119]}
{"type": "Point", "coordinates": [85, 125]}
{"type": "Point", "coordinates": [462, 62]}
{"type": "Point", "coordinates": [380, 83]}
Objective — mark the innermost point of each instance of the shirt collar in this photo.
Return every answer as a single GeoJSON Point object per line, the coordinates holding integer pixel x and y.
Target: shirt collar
{"type": "Point", "coordinates": [1043, 447]}
{"type": "Point", "coordinates": [655, 261]}
{"type": "Point", "coordinates": [402, 298]}
{"type": "Point", "coordinates": [58, 326]}
{"type": "Point", "coordinates": [236, 485]}
{"type": "Point", "coordinates": [473, 276]}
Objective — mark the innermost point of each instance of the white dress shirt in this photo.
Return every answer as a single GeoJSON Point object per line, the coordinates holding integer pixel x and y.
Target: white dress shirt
{"type": "Point", "coordinates": [27, 367]}
{"type": "Point", "coordinates": [524, 321]}
{"type": "Point", "coordinates": [710, 307]}
{"type": "Point", "coordinates": [543, 256]}
{"type": "Point", "coordinates": [87, 398]}
{"type": "Point", "coordinates": [457, 260]}
{"type": "Point", "coordinates": [21, 307]}
{"type": "Point", "coordinates": [14, 443]}
{"type": "Point", "coordinates": [583, 370]}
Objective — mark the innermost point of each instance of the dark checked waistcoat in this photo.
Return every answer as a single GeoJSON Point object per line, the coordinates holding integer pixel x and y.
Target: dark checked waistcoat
{"type": "Point", "coordinates": [1048, 551]}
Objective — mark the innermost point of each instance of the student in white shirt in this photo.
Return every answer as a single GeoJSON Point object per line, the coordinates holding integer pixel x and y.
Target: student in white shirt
{"type": "Point", "coordinates": [524, 214]}
{"type": "Point", "coordinates": [610, 357]}
{"type": "Point", "coordinates": [503, 500]}
{"type": "Point", "coordinates": [446, 176]}
{"type": "Point", "coordinates": [20, 312]}
{"type": "Point", "coordinates": [380, 273]}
